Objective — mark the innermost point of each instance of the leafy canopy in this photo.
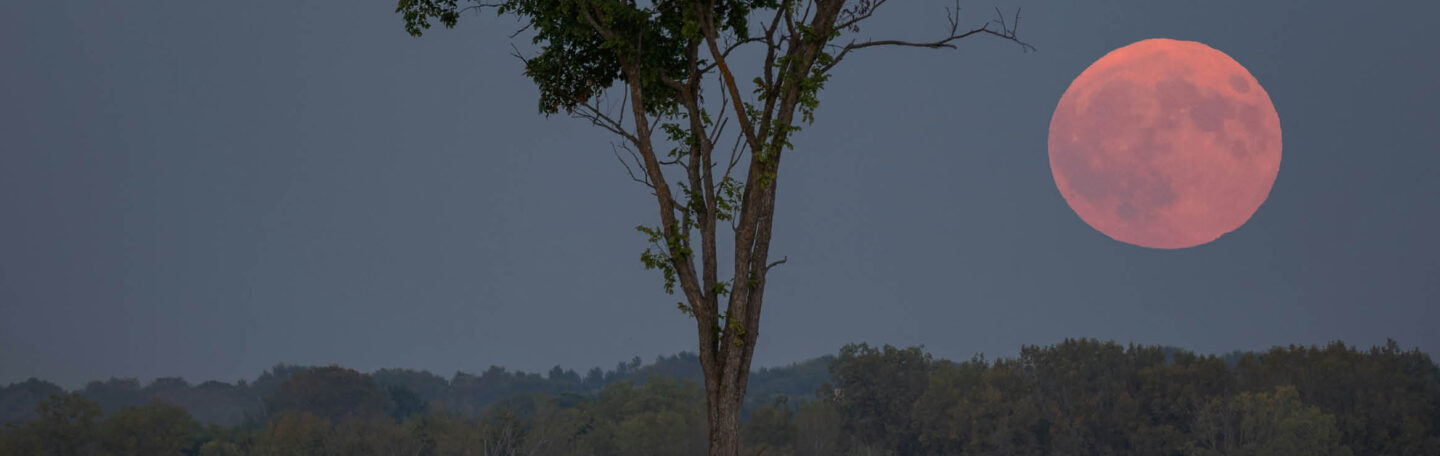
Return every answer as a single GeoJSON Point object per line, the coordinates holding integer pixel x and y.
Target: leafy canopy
{"type": "Point", "coordinates": [576, 61]}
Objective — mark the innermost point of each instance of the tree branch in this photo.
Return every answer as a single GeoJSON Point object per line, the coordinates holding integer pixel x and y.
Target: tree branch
{"type": "Point", "coordinates": [642, 179]}
{"type": "Point", "coordinates": [588, 111]}
{"type": "Point", "coordinates": [728, 49]}
{"type": "Point", "coordinates": [1007, 31]}
{"type": "Point", "coordinates": [707, 26]}
{"type": "Point", "coordinates": [777, 263]}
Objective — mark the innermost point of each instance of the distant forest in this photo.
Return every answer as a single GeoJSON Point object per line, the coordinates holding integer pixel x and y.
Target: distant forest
{"type": "Point", "coordinates": [1077, 397]}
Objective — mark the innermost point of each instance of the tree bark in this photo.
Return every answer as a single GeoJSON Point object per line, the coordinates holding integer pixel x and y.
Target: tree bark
{"type": "Point", "coordinates": [724, 416]}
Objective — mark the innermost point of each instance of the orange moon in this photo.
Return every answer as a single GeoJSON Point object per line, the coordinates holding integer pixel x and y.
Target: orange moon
{"type": "Point", "coordinates": [1165, 144]}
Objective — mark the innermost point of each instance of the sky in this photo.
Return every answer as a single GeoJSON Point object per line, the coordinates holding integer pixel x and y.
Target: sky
{"type": "Point", "coordinates": [204, 191]}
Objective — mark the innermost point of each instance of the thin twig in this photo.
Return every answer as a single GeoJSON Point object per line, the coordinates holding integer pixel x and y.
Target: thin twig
{"type": "Point", "coordinates": [645, 180]}
{"type": "Point", "coordinates": [1007, 32]}
{"type": "Point", "coordinates": [777, 263]}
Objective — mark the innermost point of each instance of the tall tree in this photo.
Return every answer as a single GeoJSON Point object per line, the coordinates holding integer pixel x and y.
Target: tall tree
{"type": "Point", "coordinates": [640, 69]}
{"type": "Point", "coordinates": [876, 389]}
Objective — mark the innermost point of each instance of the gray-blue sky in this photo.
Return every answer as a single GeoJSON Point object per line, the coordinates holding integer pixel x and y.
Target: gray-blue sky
{"type": "Point", "coordinates": [203, 190]}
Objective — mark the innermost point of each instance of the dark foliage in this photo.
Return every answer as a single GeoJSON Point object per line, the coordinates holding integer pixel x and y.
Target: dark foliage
{"type": "Point", "coordinates": [1075, 397]}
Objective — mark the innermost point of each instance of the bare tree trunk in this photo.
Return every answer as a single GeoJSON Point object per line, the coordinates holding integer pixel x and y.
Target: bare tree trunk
{"type": "Point", "coordinates": [724, 425]}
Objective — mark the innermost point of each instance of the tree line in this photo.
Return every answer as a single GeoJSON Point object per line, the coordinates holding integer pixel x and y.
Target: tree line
{"type": "Point", "coordinates": [232, 404]}
{"type": "Point", "coordinates": [1076, 397]}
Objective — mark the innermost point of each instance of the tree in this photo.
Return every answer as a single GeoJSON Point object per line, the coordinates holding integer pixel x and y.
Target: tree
{"type": "Point", "coordinates": [17, 401]}
{"type": "Point", "coordinates": [876, 390]}
{"type": "Point", "coordinates": [1170, 394]}
{"type": "Point", "coordinates": [67, 424]}
{"type": "Point", "coordinates": [817, 429]}
{"type": "Point", "coordinates": [664, 416]}
{"type": "Point", "coordinates": [1383, 401]}
{"type": "Point", "coordinates": [153, 430]}
{"type": "Point", "coordinates": [1266, 424]}
{"type": "Point", "coordinates": [116, 393]}
{"type": "Point", "coordinates": [771, 429]}
{"type": "Point", "coordinates": [427, 387]}
{"type": "Point", "coordinates": [294, 433]}
{"type": "Point", "coordinates": [1086, 387]}
{"type": "Point", "coordinates": [404, 404]}
{"type": "Point", "coordinates": [604, 60]}
{"type": "Point", "coordinates": [332, 393]}
{"type": "Point", "coordinates": [977, 408]}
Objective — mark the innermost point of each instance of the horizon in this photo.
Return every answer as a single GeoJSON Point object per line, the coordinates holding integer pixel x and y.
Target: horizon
{"type": "Point", "coordinates": [650, 362]}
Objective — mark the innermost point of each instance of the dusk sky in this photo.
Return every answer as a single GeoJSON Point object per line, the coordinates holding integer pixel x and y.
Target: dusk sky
{"type": "Point", "coordinates": [204, 190]}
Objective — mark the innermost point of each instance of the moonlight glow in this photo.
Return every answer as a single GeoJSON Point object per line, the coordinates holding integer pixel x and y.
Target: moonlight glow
{"type": "Point", "coordinates": [1165, 144]}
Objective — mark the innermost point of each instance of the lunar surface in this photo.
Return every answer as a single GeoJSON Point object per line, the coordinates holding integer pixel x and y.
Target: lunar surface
{"type": "Point", "coordinates": [1165, 144]}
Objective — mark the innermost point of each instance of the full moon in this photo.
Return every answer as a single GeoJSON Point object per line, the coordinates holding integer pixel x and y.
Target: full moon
{"type": "Point", "coordinates": [1165, 144]}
